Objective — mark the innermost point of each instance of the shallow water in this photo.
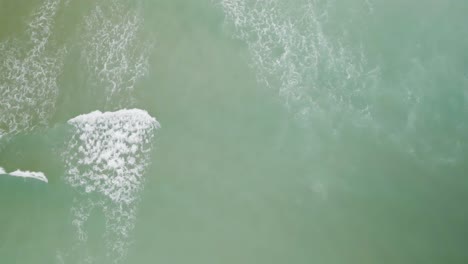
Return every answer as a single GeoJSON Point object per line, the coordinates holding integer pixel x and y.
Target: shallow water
{"type": "Point", "coordinates": [311, 131]}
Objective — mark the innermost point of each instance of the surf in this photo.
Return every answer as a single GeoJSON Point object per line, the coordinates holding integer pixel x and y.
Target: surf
{"type": "Point", "coordinates": [25, 174]}
{"type": "Point", "coordinates": [106, 159]}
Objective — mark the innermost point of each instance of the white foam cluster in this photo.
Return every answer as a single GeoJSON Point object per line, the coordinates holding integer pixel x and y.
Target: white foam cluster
{"type": "Point", "coordinates": [28, 75]}
{"type": "Point", "coordinates": [26, 174]}
{"type": "Point", "coordinates": [110, 152]}
{"type": "Point", "coordinates": [114, 55]}
{"type": "Point", "coordinates": [107, 156]}
{"type": "Point", "coordinates": [314, 73]}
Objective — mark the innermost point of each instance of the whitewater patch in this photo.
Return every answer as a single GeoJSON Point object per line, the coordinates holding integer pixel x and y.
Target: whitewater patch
{"type": "Point", "coordinates": [26, 174]}
{"type": "Point", "coordinates": [28, 74]}
{"type": "Point", "coordinates": [114, 55]}
{"type": "Point", "coordinates": [105, 160]}
{"type": "Point", "coordinates": [317, 75]}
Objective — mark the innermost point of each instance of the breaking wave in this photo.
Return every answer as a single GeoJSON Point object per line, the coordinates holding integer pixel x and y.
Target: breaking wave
{"type": "Point", "coordinates": [25, 174]}
{"type": "Point", "coordinates": [106, 160]}
{"type": "Point", "coordinates": [28, 72]}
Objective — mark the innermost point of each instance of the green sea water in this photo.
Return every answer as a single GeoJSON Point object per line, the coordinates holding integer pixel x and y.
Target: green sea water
{"type": "Point", "coordinates": [305, 131]}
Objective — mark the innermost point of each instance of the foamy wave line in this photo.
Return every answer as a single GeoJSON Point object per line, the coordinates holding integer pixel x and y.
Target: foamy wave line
{"type": "Point", "coordinates": [114, 55]}
{"type": "Point", "coordinates": [26, 174]}
{"type": "Point", "coordinates": [107, 156]}
{"type": "Point", "coordinates": [315, 74]}
{"type": "Point", "coordinates": [28, 74]}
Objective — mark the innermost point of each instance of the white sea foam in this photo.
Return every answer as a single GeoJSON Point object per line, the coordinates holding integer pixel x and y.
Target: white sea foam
{"type": "Point", "coordinates": [115, 56]}
{"type": "Point", "coordinates": [28, 74]}
{"type": "Point", "coordinates": [107, 156]}
{"type": "Point", "coordinates": [316, 74]}
{"type": "Point", "coordinates": [26, 174]}
{"type": "Point", "coordinates": [29, 174]}
{"type": "Point", "coordinates": [322, 78]}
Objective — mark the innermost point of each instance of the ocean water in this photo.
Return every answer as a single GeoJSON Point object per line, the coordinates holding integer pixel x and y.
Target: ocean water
{"type": "Point", "coordinates": [233, 131]}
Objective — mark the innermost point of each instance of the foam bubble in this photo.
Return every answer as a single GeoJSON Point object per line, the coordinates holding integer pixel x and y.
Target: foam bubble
{"type": "Point", "coordinates": [114, 55]}
{"type": "Point", "coordinates": [107, 156]}
{"type": "Point", "coordinates": [2, 171]}
{"type": "Point", "coordinates": [29, 73]}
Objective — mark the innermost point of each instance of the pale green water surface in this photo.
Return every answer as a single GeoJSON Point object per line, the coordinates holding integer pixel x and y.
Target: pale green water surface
{"type": "Point", "coordinates": [305, 131]}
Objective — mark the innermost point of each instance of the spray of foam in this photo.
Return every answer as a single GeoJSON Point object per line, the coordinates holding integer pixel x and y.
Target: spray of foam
{"type": "Point", "coordinates": [26, 174]}
{"type": "Point", "coordinates": [114, 55]}
{"type": "Point", "coordinates": [28, 75]}
{"type": "Point", "coordinates": [106, 160]}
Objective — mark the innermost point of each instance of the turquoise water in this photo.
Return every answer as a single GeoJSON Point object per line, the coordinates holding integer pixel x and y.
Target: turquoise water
{"type": "Point", "coordinates": [233, 131]}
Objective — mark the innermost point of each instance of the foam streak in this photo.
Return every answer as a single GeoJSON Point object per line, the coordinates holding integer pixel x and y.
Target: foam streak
{"type": "Point", "coordinates": [114, 55]}
{"type": "Point", "coordinates": [28, 75]}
